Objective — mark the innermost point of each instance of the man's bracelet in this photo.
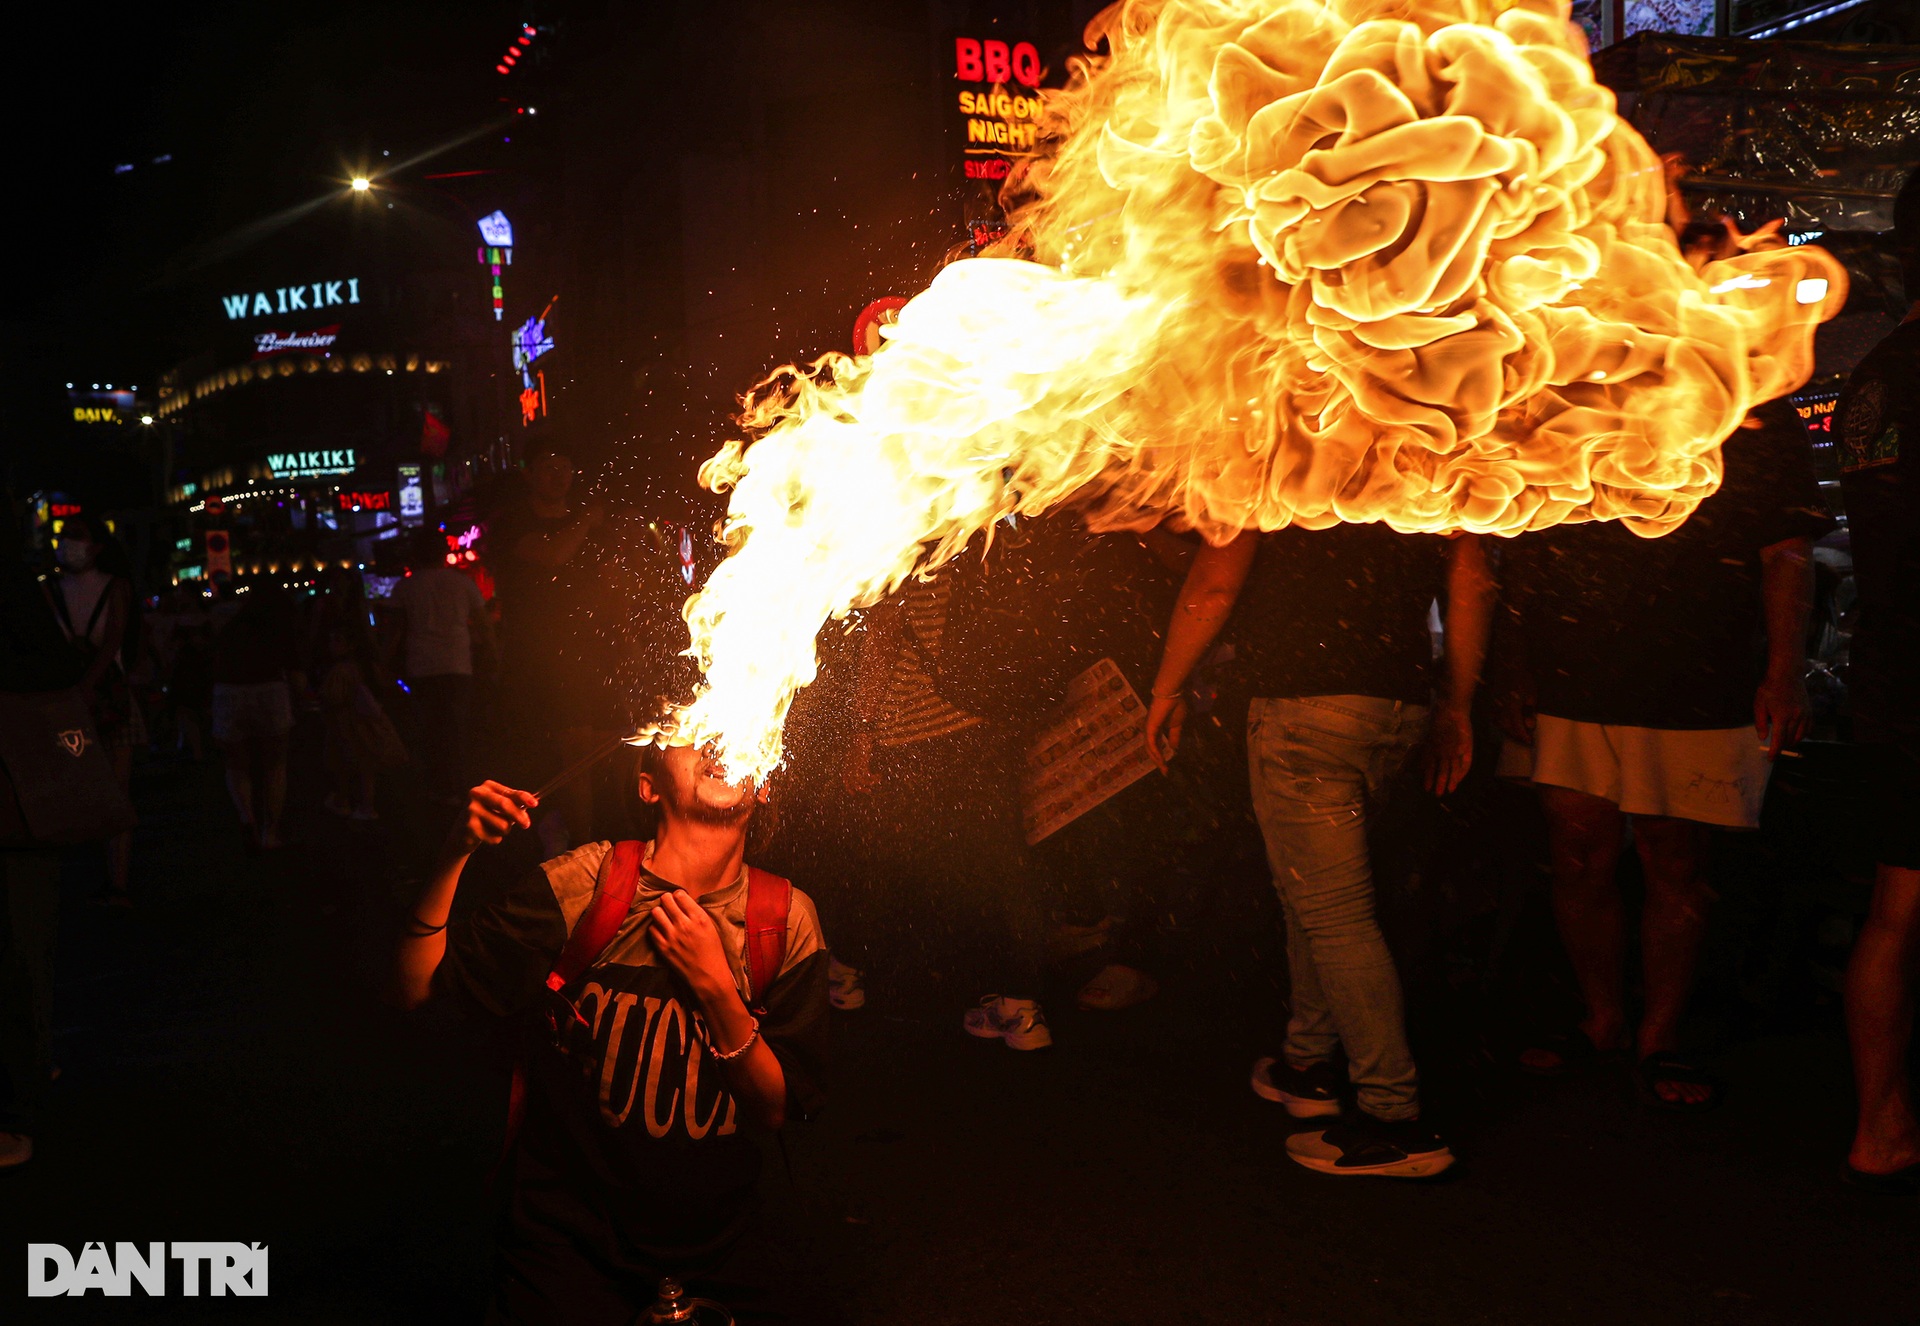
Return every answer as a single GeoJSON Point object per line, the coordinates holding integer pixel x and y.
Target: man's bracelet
{"type": "Point", "coordinates": [421, 930]}
{"type": "Point", "coordinates": [1169, 695]}
{"type": "Point", "coordinates": [745, 1045]}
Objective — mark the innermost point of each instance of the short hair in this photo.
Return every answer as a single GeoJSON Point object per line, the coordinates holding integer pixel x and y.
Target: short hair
{"type": "Point", "coordinates": [653, 760]}
{"type": "Point", "coordinates": [1906, 233]}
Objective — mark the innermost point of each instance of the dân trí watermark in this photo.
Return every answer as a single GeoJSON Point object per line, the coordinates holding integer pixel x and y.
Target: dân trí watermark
{"type": "Point", "coordinates": [217, 1269]}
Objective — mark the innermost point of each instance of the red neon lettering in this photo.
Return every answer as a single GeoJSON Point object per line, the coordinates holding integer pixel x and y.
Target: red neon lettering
{"type": "Point", "coordinates": [966, 60]}
{"type": "Point", "coordinates": [998, 70]}
{"type": "Point", "coordinates": [1026, 64]}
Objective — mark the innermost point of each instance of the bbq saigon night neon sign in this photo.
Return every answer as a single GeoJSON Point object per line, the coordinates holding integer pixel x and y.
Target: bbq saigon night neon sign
{"type": "Point", "coordinates": [1001, 122]}
{"type": "Point", "coordinates": [292, 299]}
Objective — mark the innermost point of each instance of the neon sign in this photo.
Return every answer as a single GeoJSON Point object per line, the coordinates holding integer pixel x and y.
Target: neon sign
{"type": "Point", "coordinates": [514, 51]}
{"type": "Point", "coordinates": [530, 341]}
{"type": "Point", "coordinates": [496, 252]}
{"type": "Point", "coordinates": [533, 398]}
{"type": "Point", "coordinates": [272, 343]}
{"type": "Point", "coordinates": [365, 501]}
{"type": "Point", "coordinates": [495, 229]}
{"type": "Point", "coordinates": [292, 299]}
{"type": "Point", "coordinates": [413, 496]}
{"type": "Point", "coordinates": [311, 464]}
{"type": "Point", "coordinates": [1000, 122]}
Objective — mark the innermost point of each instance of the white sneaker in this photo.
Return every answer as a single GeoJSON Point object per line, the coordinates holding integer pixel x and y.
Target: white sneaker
{"type": "Point", "coordinates": [1018, 1022]}
{"type": "Point", "coordinates": [845, 989]}
{"type": "Point", "coordinates": [16, 1149]}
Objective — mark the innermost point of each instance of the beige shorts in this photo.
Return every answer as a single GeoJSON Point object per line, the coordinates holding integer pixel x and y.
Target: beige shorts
{"type": "Point", "coordinates": [1709, 775]}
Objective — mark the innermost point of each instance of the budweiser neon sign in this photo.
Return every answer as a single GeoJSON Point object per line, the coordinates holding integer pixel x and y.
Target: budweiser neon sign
{"type": "Point", "coordinates": [272, 343]}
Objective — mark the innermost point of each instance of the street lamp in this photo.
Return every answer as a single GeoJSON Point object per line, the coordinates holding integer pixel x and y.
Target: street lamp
{"type": "Point", "coordinates": [361, 184]}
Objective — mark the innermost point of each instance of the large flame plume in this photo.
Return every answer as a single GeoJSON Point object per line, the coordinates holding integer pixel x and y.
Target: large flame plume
{"type": "Point", "coordinates": [1290, 262]}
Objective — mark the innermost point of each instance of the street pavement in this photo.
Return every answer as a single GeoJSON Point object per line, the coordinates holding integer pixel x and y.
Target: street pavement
{"type": "Point", "coordinates": [227, 1073]}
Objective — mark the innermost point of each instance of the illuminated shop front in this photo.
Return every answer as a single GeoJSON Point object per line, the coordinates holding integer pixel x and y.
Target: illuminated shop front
{"type": "Point", "coordinates": [334, 393]}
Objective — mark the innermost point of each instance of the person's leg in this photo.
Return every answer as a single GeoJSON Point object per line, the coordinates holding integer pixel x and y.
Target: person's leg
{"type": "Point", "coordinates": [1310, 762]}
{"type": "Point", "coordinates": [1673, 921]}
{"type": "Point", "coordinates": [1880, 1005]}
{"type": "Point", "coordinates": [1583, 844]}
{"type": "Point", "coordinates": [270, 764]}
{"type": "Point", "coordinates": [238, 755]}
{"type": "Point", "coordinates": [31, 884]}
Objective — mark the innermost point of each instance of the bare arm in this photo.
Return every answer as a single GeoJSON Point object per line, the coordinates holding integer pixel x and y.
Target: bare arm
{"type": "Point", "coordinates": [1206, 600]}
{"type": "Point", "coordinates": [1786, 589]}
{"type": "Point", "coordinates": [1470, 600]}
{"type": "Point", "coordinates": [493, 811]}
{"type": "Point", "coordinates": [685, 937]}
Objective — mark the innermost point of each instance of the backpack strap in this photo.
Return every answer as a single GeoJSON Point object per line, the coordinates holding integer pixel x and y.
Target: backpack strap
{"type": "Point", "coordinates": [769, 900]}
{"type": "Point", "coordinates": [612, 900]}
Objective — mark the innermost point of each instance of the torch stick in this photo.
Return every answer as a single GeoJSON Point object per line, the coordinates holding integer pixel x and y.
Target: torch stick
{"type": "Point", "coordinates": [578, 767]}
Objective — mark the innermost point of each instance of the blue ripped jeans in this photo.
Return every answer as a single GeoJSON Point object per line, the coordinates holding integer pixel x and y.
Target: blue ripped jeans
{"type": "Point", "coordinates": [1315, 764]}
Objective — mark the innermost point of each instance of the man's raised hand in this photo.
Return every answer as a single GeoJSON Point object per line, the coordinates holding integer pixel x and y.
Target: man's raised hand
{"type": "Point", "coordinates": [685, 936]}
{"type": "Point", "coordinates": [494, 810]}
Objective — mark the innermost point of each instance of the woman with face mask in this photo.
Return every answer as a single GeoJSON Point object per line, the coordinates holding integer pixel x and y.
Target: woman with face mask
{"type": "Point", "coordinates": [93, 597]}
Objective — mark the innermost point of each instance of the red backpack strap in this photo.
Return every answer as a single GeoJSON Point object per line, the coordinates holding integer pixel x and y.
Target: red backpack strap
{"type": "Point", "coordinates": [769, 899]}
{"type": "Point", "coordinates": [612, 900]}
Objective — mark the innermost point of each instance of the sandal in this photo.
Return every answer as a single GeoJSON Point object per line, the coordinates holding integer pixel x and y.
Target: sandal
{"type": "Point", "coordinates": [1574, 1049]}
{"type": "Point", "coordinates": [1671, 1066]}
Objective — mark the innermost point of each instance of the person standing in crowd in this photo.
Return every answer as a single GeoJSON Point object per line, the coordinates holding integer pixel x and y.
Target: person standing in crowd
{"type": "Point", "coordinates": [634, 1158]}
{"type": "Point", "coordinates": [190, 684]}
{"type": "Point", "coordinates": [1877, 429]}
{"type": "Point", "coordinates": [439, 619]}
{"type": "Point", "coordinates": [1639, 691]}
{"type": "Point", "coordinates": [934, 806]}
{"type": "Point", "coordinates": [555, 691]}
{"type": "Point", "coordinates": [94, 598]}
{"type": "Point", "coordinates": [35, 657]}
{"type": "Point", "coordinates": [1336, 644]}
{"type": "Point", "coordinates": [256, 668]}
{"type": "Point", "coordinates": [359, 739]}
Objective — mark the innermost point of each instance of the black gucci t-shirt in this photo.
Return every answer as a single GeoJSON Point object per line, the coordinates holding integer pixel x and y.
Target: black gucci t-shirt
{"type": "Point", "coordinates": [632, 1148]}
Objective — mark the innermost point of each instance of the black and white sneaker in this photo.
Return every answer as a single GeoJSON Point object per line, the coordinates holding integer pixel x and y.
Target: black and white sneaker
{"type": "Point", "coordinates": [1366, 1145]}
{"type": "Point", "coordinates": [1312, 1092]}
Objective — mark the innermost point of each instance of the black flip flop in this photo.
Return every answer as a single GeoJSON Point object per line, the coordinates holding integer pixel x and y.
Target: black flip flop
{"type": "Point", "coordinates": [1669, 1066]}
{"type": "Point", "coordinates": [1900, 1183]}
{"type": "Point", "coordinates": [1575, 1050]}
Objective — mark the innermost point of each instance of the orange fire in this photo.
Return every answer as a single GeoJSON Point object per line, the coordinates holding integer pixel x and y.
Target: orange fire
{"type": "Point", "coordinates": [1289, 262]}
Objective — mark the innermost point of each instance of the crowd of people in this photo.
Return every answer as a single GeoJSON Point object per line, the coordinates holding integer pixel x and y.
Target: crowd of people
{"type": "Point", "coordinates": [678, 996]}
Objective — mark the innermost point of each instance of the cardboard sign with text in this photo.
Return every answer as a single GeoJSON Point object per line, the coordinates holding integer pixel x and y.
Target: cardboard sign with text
{"type": "Point", "coordinates": [1092, 746]}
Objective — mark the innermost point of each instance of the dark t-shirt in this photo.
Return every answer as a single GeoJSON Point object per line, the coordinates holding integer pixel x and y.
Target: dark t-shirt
{"type": "Point", "coordinates": [632, 1148]}
{"type": "Point", "coordinates": [531, 604]}
{"type": "Point", "coordinates": [1877, 431]}
{"type": "Point", "coordinates": [1341, 611]}
{"type": "Point", "coordinates": [259, 645]}
{"type": "Point", "coordinates": [1667, 632]}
